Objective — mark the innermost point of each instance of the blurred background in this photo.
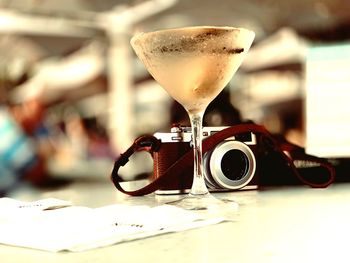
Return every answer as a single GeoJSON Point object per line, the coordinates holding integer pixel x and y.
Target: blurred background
{"type": "Point", "coordinates": [74, 96]}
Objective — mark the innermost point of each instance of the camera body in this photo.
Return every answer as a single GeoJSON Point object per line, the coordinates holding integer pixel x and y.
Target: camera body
{"type": "Point", "coordinates": [231, 165]}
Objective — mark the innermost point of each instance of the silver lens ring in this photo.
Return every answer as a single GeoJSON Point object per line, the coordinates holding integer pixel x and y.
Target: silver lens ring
{"type": "Point", "coordinates": [210, 182]}
{"type": "Point", "coordinates": [216, 169]}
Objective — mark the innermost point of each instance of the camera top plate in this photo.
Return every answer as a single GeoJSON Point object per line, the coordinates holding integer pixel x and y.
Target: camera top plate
{"type": "Point", "coordinates": [184, 134]}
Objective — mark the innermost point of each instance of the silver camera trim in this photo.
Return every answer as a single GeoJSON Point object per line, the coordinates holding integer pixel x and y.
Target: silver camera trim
{"type": "Point", "coordinates": [215, 158]}
{"type": "Point", "coordinates": [184, 134]}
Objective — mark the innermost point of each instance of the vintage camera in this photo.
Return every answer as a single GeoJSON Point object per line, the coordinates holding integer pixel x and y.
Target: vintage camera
{"type": "Point", "coordinates": [231, 165]}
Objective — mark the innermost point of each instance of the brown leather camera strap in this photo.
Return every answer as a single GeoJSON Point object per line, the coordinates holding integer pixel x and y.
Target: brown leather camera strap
{"type": "Point", "coordinates": [151, 144]}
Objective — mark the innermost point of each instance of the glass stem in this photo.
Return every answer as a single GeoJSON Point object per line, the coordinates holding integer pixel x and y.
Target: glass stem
{"type": "Point", "coordinates": [198, 186]}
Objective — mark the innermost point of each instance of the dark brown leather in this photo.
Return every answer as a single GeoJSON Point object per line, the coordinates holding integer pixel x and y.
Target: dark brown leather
{"type": "Point", "coordinates": [280, 146]}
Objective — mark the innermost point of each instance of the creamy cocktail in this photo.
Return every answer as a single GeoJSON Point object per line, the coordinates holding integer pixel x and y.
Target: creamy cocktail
{"type": "Point", "coordinates": [193, 64]}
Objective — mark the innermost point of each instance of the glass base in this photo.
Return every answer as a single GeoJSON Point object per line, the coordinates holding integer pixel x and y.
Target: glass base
{"type": "Point", "coordinates": [206, 202]}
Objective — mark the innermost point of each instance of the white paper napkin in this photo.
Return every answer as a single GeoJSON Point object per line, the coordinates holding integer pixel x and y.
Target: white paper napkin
{"type": "Point", "coordinates": [56, 225]}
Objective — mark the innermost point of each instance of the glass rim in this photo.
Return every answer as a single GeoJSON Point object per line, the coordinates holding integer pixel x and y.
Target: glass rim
{"type": "Point", "coordinates": [175, 29]}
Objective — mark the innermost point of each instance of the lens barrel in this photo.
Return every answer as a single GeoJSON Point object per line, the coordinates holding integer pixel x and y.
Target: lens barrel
{"type": "Point", "coordinates": [231, 165]}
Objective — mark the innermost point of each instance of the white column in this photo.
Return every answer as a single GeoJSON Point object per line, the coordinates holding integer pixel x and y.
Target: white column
{"type": "Point", "coordinates": [120, 94]}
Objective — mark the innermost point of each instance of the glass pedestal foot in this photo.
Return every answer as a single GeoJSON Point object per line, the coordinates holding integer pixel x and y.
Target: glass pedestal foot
{"type": "Point", "coordinates": [205, 202]}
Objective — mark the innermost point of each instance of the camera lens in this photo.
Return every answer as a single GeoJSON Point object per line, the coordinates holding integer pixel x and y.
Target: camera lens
{"type": "Point", "coordinates": [231, 165]}
{"type": "Point", "coordinates": [234, 164]}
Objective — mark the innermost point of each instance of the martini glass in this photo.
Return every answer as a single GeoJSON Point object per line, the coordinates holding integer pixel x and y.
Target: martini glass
{"type": "Point", "coordinates": [194, 64]}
